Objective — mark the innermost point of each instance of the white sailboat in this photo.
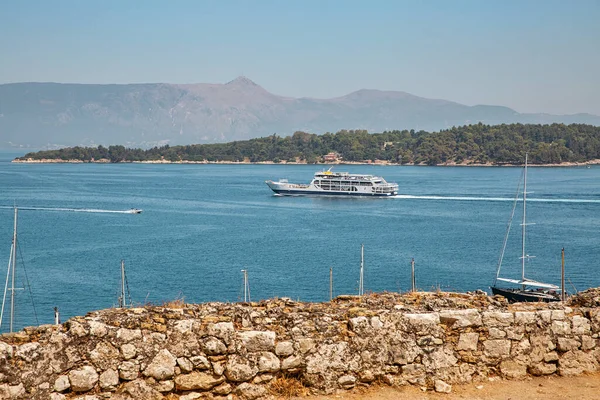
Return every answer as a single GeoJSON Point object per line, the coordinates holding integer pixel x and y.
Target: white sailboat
{"type": "Point", "coordinates": [530, 289]}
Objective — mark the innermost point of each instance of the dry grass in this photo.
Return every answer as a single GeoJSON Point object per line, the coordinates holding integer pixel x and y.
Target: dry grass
{"type": "Point", "coordinates": [178, 302]}
{"type": "Point", "coordinates": [287, 386]}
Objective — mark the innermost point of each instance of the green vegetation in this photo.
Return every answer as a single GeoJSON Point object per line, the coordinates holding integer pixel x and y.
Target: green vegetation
{"type": "Point", "coordinates": [497, 144]}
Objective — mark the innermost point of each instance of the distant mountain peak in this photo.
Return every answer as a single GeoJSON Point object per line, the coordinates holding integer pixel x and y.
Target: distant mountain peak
{"type": "Point", "coordinates": [242, 81]}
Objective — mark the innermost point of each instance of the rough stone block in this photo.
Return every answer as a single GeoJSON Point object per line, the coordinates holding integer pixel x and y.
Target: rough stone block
{"type": "Point", "coordinates": [468, 341]}
{"type": "Point", "coordinates": [258, 340]}
{"type": "Point", "coordinates": [162, 366]}
{"type": "Point", "coordinates": [495, 319]}
{"type": "Point", "coordinates": [83, 379]}
{"type": "Point", "coordinates": [461, 318]}
{"type": "Point", "coordinates": [442, 387]}
{"type": "Point", "coordinates": [197, 381]}
{"type": "Point", "coordinates": [496, 348]}
{"type": "Point", "coordinates": [62, 383]}
{"type": "Point", "coordinates": [284, 349]}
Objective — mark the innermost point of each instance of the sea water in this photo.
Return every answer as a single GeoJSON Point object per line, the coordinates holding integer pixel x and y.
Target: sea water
{"type": "Point", "coordinates": [202, 224]}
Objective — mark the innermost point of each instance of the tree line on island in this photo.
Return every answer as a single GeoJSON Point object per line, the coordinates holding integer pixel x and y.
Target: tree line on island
{"type": "Point", "coordinates": [470, 144]}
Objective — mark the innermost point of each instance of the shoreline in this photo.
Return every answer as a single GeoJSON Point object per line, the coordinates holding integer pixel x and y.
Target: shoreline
{"type": "Point", "coordinates": [376, 162]}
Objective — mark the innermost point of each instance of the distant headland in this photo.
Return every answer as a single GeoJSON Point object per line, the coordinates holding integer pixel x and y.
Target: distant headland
{"type": "Point", "coordinates": [469, 145]}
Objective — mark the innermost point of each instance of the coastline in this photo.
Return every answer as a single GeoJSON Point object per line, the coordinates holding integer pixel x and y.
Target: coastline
{"type": "Point", "coordinates": [375, 162]}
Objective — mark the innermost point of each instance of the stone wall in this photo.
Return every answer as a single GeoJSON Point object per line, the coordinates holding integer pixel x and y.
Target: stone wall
{"type": "Point", "coordinates": [218, 350]}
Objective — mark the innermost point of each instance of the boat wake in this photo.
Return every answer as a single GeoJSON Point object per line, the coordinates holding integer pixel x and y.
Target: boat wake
{"type": "Point", "coordinates": [89, 210]}
{"type": "Point", "coordinates": [467, 198]}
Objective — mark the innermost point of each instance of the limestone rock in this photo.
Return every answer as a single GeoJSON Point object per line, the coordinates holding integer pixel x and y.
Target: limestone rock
{"type": "Point", "coordinates": [165, 386]}
{"type": "Point", "coordinates": [109, 379]}
{"type": "Point", "coordinates": [292, 362]}
{"type": "Point", "coordinates": [223, 389]}
{"type": "Point", "coordinates": [137, 389]}
{"type": "Point", "coordinates": [512, 369]}
{"type": "Point", "coordinates": [239, 369]}
{"type": "Point", "coordinates": [442, 387]}
{"type": "Point", "coordinates": [83, 379]}
{"type": "Point", "coordinates": [347, 381]}
{"type": "Point", "coordinates": [495, 319]}
{"type": "Point", "coordinates": [162, 366]}
{"type": "Point", "coordinates": [200, 362]}
{"type": "Point", "coordinates": [197, 381]}
{"type": "Point", "coordinates": [128, 335]}
{"type": "Point", "coordinates": [268, 362]}
{"type": "Point", "coordinates": [250, 391]}
{"type": "Point", "coordinates": [221, 330]}
{"type": "Point", "coordinates": [98, 329]}
{"type": "Point", "coordinates": [496, 348]}
{"type": "Point", "coordinates": [576, 362]}
{"type": "Point", "coordinates": [460, 318]}
{"type": "Point", "coordinates": [185, 365]}
{"type": "Point", "coordinates": [213, 346]}
{"type": "Point", "coordinates": [258, 340]}
{"type": "Point", "coordinates": [62, 383]}
{"type": "Point", "coordinates": [542, 369]}
{"type": "Point", "coordinates": [468, 341]}
{"type": "Point", "coordinates": [104, 356]}
{"type": "Point", "coordinates": [128, 370]}
{"type": "Point", "coordinates": [129, 351]}
{"type": "Point", "coordinates": [284, 349]}
{"type": "Point", "coordinates": [12, 391]}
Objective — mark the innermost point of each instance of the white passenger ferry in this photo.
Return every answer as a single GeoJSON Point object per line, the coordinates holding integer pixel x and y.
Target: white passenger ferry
{"type": "Point", "coordinates": [330, 183]}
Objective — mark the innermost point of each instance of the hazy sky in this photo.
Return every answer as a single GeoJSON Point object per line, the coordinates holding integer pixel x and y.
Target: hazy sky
{"type": "Point", "coordinates": [533, 56]}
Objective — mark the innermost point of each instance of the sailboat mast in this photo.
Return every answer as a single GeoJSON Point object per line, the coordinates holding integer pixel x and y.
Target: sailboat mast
{"type": "Point", "coordinates": [361, 290]}
{"type": "Point", "coordinates": [12, 285]}
{"type": "Point", "coordinates": [562, 276]}
{"type": "Point", "coordinates": [523, 224]}
{"type": "Point", "coordinates": [122, 297]}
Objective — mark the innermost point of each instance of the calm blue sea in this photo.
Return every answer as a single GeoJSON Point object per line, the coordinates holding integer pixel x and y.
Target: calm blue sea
{"type": "Point", "coordinates": [202, 224]}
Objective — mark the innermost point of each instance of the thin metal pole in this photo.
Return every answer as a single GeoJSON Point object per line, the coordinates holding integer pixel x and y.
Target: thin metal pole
{"type": "Point", "coordinates": [330, 283]}
{"type": "Point", "coordinates": [6, 285]}
{"type": "Point", "coordinates": [361, 289]}
{"type": "Point", "coordinates": [122, 297]}
{"type": "Point", "coordinates": [245, 285]}
{"type": "Point", "coordinates": [14, 257]}
{"type": "Point", "coordinates": [412, 275]}
{"type": "Point", "coordinates": [523, 230]}
{"type": "Point", "coordinates": [562, 276]}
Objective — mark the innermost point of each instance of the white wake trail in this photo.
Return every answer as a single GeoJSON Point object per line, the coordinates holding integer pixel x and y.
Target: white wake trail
{"type": "Point", "coordinates": [467, 198]}
{"type": "Point", "coordinates": [89, 210]}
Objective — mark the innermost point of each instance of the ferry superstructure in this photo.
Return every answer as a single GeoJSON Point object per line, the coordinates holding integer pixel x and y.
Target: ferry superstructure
{"type": "Point", "coordinates": [329, 183]}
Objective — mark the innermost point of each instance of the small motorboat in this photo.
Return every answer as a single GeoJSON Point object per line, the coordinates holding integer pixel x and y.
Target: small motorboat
{"type": "Point", "coordinates": [135, 211]}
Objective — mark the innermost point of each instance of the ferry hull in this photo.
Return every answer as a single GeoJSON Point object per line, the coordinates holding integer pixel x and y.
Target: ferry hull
{"type": "Point", "coordinates": [287, 192]}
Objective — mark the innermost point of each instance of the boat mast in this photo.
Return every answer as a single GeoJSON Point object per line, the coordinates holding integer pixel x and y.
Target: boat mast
{"type": "Point", "coordinates": [562, 276]}
{"type": "Point", "coordinates": [523, 225]}
{"type": "Point", "coordinates": [12, 286]}
{"type": "Point", "coordinates": [246, 286]}
{"type": "Point", "coordinates": [122, 296]}
{"type": "Point", "coordinates": [412, 275]}
{"type": "Point", "coordinates": [330, 283]}
{"type": "Point", "coordinates": [361, 289]}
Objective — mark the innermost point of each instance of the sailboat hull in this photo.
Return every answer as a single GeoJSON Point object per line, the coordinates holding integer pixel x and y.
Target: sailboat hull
{"type": "Point", "coordinates": [521, 296]}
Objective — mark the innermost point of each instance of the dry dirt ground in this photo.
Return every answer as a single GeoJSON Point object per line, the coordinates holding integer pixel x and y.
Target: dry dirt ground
{"type": "Point", "coordinates": [585, 387]}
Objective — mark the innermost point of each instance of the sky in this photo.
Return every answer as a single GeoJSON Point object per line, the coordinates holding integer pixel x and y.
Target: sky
{"type": "Point", "coordinates": [530, 55]}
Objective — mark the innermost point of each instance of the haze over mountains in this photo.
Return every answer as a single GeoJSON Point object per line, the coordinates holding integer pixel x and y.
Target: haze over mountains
{"type": "Point", "coordinates": [51, 115]}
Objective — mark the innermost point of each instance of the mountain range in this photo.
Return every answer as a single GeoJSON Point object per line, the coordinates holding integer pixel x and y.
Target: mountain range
{"type": "Point", "coordinates": [52, 115]}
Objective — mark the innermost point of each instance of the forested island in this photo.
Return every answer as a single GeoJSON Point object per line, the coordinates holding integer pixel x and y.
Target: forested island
{"type": "Point", "coordinates": [470, 144]}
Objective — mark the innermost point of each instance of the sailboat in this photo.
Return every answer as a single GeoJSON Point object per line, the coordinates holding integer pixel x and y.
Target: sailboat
{"type": "Point", "coordinates": [530, 289]}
